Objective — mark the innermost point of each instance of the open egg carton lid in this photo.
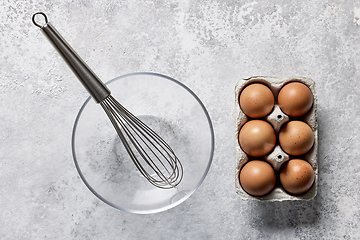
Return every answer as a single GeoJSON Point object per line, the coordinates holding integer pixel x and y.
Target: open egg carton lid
{"type": "Point", "coordinates": [277, 156]}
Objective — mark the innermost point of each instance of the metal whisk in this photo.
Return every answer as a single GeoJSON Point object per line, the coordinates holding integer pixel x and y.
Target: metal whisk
{"type": "Point", "coordinates": [152, 156]}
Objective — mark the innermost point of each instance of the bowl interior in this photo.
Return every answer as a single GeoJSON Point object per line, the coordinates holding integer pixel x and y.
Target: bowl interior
{"type": "Point", "coordinates": [171, 110]}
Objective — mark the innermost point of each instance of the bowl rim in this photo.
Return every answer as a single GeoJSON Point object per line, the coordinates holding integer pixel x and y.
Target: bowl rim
{"type": "Point", "coordinates": [137, 211]}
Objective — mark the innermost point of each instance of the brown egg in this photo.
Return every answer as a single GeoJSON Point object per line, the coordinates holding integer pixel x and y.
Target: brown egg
{"type": "Point", "coordinates": [257, 138]}
{"type": "Point", "coordinates": [257, 178]}
{"type": "Point", "coordinates": [256, 100]}
{"type": "Point", "coordinates": [295, 99]}
{"type": "Point", "coordinates": [297, 176]}
{"type": "Point", "coordinates": [296, 138]}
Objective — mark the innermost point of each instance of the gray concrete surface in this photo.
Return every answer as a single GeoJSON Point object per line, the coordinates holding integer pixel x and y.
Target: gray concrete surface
{"type": "Point", "coordinates": [207, 45]}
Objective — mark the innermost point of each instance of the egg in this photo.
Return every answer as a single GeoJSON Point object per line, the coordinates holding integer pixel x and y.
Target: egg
{"type": "Point", "coordinates": [257, 138]}
{"type": "Point", "coordinates": [297, 176]}
{"type": "Point", "coordinates": [256, 100]}
{"type": "Point", "coordinates": [296, 138]}
{"type": "Point", "coordinates": [257, 178]}
{"type": "Point", "coordinates": [295, 99]}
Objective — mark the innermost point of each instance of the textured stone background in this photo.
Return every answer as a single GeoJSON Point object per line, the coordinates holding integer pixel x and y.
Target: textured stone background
{"type": "Point", "coordinates": [207, 45]}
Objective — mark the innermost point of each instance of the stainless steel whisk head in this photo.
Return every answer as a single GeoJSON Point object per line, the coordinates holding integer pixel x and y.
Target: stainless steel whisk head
{"type": "Point", "coordinates": [152, 156]}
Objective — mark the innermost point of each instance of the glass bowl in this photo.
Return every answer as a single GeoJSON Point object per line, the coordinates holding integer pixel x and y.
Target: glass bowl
{"type": "Point", "coordinates": [170, 109]}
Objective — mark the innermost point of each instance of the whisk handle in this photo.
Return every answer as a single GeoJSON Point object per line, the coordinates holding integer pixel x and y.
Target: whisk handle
{"type": "Point", "coordinates": [87, 77]}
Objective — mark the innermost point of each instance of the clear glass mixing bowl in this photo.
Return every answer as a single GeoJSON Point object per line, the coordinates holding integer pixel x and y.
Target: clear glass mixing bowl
{"type": "Point", "coordinates": [169, 108]}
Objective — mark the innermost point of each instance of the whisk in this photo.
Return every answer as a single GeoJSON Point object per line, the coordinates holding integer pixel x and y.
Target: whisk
{"type": "Point", "coordinates": [152, 156]}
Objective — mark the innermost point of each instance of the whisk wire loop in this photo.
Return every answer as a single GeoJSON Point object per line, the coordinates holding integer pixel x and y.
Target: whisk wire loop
{"type": "Point", "coordinates": [152, 156]}
{"type": "Point", "coordinates": [128, 129]}
{"type": "Point", "coordinates": [116, 121]}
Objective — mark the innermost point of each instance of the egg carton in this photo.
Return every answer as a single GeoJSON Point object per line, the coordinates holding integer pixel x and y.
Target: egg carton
{"type": "Point", "coordinates": [277, 156]}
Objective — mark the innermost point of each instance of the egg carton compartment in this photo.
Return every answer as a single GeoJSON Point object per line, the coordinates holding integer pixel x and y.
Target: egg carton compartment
{"type": "Point", "coordinates": [277, 157]}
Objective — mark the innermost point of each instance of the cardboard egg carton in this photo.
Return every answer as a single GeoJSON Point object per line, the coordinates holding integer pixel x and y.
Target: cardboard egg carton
{"type": "Point", "coordinates": [277, 156]}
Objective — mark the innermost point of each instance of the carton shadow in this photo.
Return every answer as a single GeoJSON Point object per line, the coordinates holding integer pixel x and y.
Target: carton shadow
{"type": "Point", "coordinates": [285, 214]}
